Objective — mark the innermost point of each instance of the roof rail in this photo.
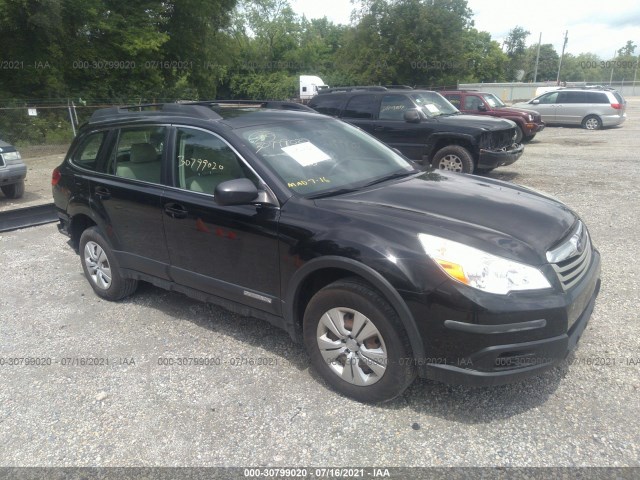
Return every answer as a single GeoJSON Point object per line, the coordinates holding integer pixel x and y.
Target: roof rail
{"type": "Point", "coordinates": [200, 109]}
{"type": "Point", "coordinates": [399, 87]}
{"type": "Point", "coordinates": [370, 88]}
{"type": "Point", "coordinates": [187, 109]}
{"type": "Point", "coordinates": [274, 104]}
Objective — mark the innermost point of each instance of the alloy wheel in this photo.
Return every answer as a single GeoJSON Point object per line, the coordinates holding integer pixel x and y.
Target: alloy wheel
{"type": "Point", "coordinates": [352, 346]}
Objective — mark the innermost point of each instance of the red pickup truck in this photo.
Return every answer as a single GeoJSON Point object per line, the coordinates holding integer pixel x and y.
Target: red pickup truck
{"type": "Point", "coordinates": [529, 122]}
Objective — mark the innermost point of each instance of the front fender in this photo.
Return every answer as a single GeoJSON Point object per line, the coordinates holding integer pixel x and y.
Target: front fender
{"type": "Point", "coordinates": [363, 271]}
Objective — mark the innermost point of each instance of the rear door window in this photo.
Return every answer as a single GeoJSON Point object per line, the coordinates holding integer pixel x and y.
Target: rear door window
{"type": "Point", "coordinates": [454, 99]}
{"type": "Point", "coordinates": [138, 153]}
{"type": "Point", "coordinates": [360, 106]}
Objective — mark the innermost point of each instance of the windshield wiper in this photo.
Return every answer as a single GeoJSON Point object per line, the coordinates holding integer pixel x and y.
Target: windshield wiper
{"type": "Point", "coordinates": [333, 193]}
{"type": "Point", "coordinates": [391, 176]}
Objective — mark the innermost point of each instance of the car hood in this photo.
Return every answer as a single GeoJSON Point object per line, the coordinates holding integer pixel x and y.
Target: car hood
{"type": "Point", "coordinates": [498, 217]}
{"type": "Point", "coordinates": [515, 111]}
{"type": "Point", "coordinates": [475, 121]}
{"type": "Point", "coordinates": [523, 106]}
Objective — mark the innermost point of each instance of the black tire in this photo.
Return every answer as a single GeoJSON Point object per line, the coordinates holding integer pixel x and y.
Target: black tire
{"type": "Point", "coordinates": [92, 246]}
{"type": "Point", "coordinates": [592, 122]}
{"type": "Point", "coordinates": [453, 158]}
{"type": "Point", "coordinates": [15, 190]}
{"type": "Point", "coordinates": [381, 335]}
{"type": "Point", "coordinates": [519, 135]}
{"type": "Point", "coordinates": [528, 139]}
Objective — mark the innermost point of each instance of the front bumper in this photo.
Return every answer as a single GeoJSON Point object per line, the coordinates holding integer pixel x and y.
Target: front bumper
{"type": "Point", "coordinates": [12, 173]}
{"type": "Point", "coordinates": [531, 128]}
{"type": "Point", "coordinates": [499, 158]}
{"type": "Point", "coordinates": [483, 345]}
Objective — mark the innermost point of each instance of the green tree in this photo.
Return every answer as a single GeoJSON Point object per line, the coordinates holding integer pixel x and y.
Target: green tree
{"type": "Point", "coordinates": [485, 61]}
{"type": "Point", "coordinates": [515, 48]}
{"type": "Point", "coordinates": [407, 42]}
{"type": "Point", "coordinates": [547, 63]}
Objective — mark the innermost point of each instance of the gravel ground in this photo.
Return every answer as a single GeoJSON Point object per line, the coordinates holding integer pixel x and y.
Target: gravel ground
{"type": "Point", "coordinates": [135, 412]}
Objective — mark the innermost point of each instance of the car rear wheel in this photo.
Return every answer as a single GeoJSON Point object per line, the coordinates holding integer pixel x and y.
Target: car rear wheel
{"type": "Point", "coordinates": [357, 343]}
{"type": "Point", "coordinates": [101, 268]}
{"type": "Point", "coordinates": [592, 122]}
{"type": "Point", "coordinates": [453, 158]}
{"type": "Point", "coordinates": [15, 190]}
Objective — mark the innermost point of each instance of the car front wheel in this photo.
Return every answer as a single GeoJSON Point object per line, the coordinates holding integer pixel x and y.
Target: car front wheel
{"type": "Point", "coordinates": [453, 158]}
{"type": "Point", "coordinates": [357, 343]}
{"type": "Point", "coordinates": [101, 268]}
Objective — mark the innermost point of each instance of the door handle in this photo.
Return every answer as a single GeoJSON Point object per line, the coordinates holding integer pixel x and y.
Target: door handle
{"type": "Point", "coordinates": [102, 193]}
{"type": "Point", "coordinates": [378, 128]}
{"type": "Point", "coordinates": [175, 210]}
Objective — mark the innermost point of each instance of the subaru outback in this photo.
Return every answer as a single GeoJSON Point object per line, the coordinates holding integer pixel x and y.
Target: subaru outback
{"type": "Point", "coordinates": [382, 270]}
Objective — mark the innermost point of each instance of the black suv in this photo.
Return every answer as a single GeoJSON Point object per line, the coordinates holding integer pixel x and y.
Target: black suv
{"type": "Point", "coordinates": [424, 126]}
{"type": "Point", "coordinates": [384, 270]}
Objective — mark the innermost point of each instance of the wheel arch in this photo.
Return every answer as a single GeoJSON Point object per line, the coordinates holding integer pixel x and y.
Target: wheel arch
{"type": "Point", "coordinates": [589, 115]}
{"type": "Point", "coordinates": [441, 141]}
{"type": "Point", "coordinates": [320, 272]}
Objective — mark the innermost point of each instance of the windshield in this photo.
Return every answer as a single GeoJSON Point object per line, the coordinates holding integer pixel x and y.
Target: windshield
{"type": "Point", "coordinates": [493, 101]}
{"type": "Point", "coordinates": [433, 104]}
{"type": "Point", "coordinates": [320, 155]}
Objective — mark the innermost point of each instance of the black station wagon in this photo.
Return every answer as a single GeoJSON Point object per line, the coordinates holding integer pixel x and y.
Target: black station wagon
{"type": "Point", "coordinates": [384, 271]}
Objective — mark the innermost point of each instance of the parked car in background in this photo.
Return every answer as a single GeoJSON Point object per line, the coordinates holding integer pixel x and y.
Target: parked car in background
{"type": "Point", "coordinates": [474, 102]}
{"type": "Point", "coordinates": [13, 171]}
{"type": "Point", "coordinates": [383, 271]}
{"type": "Point", "coordinates": [424, 126]}
{"type": "Point", "coordinates": [593, 108]}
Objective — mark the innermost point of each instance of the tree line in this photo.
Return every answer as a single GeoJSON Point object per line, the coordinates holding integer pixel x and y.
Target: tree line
{"type": "Point", "coordinates": [119, 50]}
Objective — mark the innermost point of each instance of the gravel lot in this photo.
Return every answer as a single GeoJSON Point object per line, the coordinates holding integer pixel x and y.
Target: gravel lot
{"type": "Point", "coordinates": [135, 412]}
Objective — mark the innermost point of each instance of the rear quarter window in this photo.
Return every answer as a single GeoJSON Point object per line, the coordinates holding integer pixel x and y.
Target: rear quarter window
{"type": "Point", "coordinates": [86, 155]}
{"type": "Point", "coordinates": [597, 97]}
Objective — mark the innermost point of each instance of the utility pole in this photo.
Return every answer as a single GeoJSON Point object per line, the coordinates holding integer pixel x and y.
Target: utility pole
{"type": "Point", "coordinates": [535, 72]}
{"type": "Point", "coordinates": [635, 74]}
{"type": "Point", "coordinates": [566, 39]}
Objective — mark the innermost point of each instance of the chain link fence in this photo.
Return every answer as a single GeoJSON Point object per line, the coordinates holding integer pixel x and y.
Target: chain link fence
{"type": "Point", "coordinates": [41, 127]}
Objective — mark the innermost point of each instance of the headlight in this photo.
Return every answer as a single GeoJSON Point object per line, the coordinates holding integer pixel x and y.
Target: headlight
{"type": "Point", "coordinates": [480, 269]}
{"type": "Point", "coordinates": [11, 156]}
{"type": "Point", "coordinates": [530, 117]}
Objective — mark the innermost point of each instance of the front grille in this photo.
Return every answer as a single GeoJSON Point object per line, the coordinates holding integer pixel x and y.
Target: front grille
{"type": "Point", "coordinates": [497, 140]}
{"type": "Point", "coordinates": [577, 258]}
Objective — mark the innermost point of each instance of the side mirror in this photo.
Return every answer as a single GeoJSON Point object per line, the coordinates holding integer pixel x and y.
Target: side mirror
{"type": "Point", "coordinates": [482, 107]}
{"type": "Point", "coordinates": [240, 191]}
{"type": "Point", "coordinates": [412, 116]}
{"type": "Point", "coordinates": [535, 102]}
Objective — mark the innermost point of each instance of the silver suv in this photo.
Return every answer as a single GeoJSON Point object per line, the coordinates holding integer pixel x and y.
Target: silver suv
{"type": "Point", "coordinates": [593, 108]}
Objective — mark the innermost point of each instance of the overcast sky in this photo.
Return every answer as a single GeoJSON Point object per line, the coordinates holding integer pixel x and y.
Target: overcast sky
{"type": "Point", "coordinates": [595, 26]}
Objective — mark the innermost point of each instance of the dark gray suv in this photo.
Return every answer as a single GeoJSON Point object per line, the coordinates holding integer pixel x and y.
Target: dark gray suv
{"type": "Point", "coordinates": [12, 171]}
